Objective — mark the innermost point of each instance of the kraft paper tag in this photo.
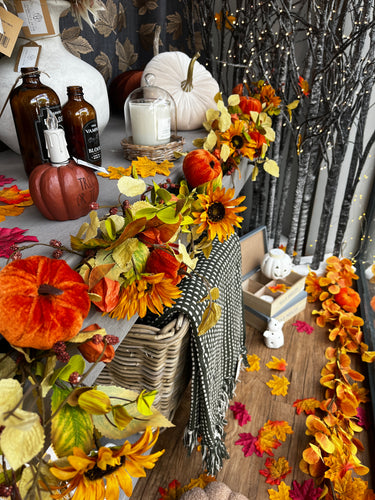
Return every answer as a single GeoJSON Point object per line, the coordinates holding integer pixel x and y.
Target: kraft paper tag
{"type": "Point", "coordinates": [10, 28]}
{"type": "Point", "coordinates": [36, 17]}
{"type": "Point", "coordinates": [28, 56]}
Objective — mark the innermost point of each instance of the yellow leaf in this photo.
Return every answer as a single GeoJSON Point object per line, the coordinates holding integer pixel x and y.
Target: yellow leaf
{"type": "Point", "coordinates": [9, 210]}
{"type": "Point", "coordinates": [144, 402]}
{"type": "Point", "coordinates": [148, 168]}
{"type": "Point", "coordinates": [368, 356]}
{"type": "Point", "coordinates": [233, 100]}
{"type": "Point", "coordinates": [92, 228]}
{"type": "Point", "coordinates": [210, 141]}
{"type": "Point", "coordinates": [324, 442]}
{"type": "Point", "coordinates": [11, 394]}
{"type": "Point", "coordinates": [138, 424]}
{"type": "Point", "coordinates": [115, 172]}
{"type": "Point", "coordinates": [282, 492]}
{"type": "Point", "coordinates": [277, 364]}
{"type": "Point", "coordinates": [83, 336]}
{"type": "Point", "coordinates": [213, 295]}
{"type": "Point", "coordinates": [255, 172]}
{"type": "Point", "coordinates": [95, 402]}
{"type": "Point", "coordinates": [121, 417]}
{"type": "Point", "coordinates": [209, 319]}
{"type": "Point", "coordinates": [253, 361]}
{"type": "Point", "coordinates": [279, 385]}
{"type": "Point", "coordinates": [131, 187]}
{"type": "Point", "coordinates": [21, 442]}
{"type": "Point", "coordinates": [225, 152]}
{"type": "Point", "coordinates": [271, 167]}
{"type": "Point", "coordinates": [27, 482]}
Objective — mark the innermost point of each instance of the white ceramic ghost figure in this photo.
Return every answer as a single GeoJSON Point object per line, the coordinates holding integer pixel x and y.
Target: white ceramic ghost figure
{"type": "Point", "coordinates": [273, 336]}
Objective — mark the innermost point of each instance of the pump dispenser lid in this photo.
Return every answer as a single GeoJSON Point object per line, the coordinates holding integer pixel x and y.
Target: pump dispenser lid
{"type": "Point", "coordinates": [55, 140]}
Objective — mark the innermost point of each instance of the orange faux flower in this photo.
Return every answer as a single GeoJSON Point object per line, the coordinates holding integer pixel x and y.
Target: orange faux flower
{"type": "Point", "coordinates": [162, 260]}
{"type": "Point", "coordinates": [108, 290]}
{"type": "Point", "coordinates": [91, 351]}
{"type": "Point", "coordinates": [348, 299]}
{"type": "Point", "coordinates": [268, 95]}
{"type": "Point", "coordinates": [248, 104]}
{"type": "Point", "coordinates": [149, 292]}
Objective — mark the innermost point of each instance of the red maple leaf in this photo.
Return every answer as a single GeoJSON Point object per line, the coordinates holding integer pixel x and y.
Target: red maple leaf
{"type": "Point", "coordinates": [5, 180]}
{"type": "Point", "coordinates": [248, 442]}
{"type": "Point", "coordinates": [12, 236]}
{"type": "Point", "coordinates": [240, 413]}
{"type": "Point", "coordinates": [173, 491]}
{"type": "Point", "coordinates": [305, 491]}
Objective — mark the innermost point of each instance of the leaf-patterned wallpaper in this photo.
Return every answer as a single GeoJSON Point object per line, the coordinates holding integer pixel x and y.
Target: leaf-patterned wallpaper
{"type": "Point", "coordinates": [123, 34]}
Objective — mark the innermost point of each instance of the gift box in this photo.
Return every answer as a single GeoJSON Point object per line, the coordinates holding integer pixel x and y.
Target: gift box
{"type": "Point", "coordinates": [259, 300]}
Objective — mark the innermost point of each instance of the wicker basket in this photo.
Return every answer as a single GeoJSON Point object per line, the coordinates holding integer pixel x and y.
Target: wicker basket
{"type": "Point", "coordinates": [155, 153]}
{"type": "Point", "coordinates": [153, 359]}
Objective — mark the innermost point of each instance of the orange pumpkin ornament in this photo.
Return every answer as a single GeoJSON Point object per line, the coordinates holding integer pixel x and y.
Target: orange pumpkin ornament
{"type": "Point", "coordinates": [42, 301]}
{"type": "Point", "coordinates": [348, 299]}
{"type": "Point", "coordinates": [200, 166]}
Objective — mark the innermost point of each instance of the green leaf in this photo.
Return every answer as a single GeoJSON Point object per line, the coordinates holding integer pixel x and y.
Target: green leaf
{"type": "Point", "coordinates": [75, 364]}
{"type": "Point", "coordinates": [8, 366]}
{"type": "Point", "coordinates": [164, 195]}
{"type": "Point", "coordinates": [111, 228]}
{"type": "Point", "coordinates": [78, 245]}
{"type": "Point", "coordinates": [71, 426]}
{"type": "Point", "coordinates": [168, 215]}
{"type": "Point", "coordinates": [148, 213]}
{"type": "Point", "coordinates": [144, 402]}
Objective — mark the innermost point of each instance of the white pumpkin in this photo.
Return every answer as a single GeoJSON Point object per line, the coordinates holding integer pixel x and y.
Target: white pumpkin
{"type": "Point", "coordinates": [276, 264]}
{"type": "Point", "coordinates": [191, 85]}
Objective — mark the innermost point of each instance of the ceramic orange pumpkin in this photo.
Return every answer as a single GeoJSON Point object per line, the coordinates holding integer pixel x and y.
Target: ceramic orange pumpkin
{"type": "Point", "coordinates": [348, 299]}
{"type": "Point", "coordinates": [63, 192]}
{"type": "Point", "coordinates": [200, 166]}
{"type": "Point", "coordinates": [42, 301]}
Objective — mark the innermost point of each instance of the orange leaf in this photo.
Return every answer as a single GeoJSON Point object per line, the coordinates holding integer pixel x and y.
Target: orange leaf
{"type": "Point", "coordinates": [115, 172]}
{"type": "Point", "coordinates": [8, 210]}
{"type": "Point", "coordinates": [276, 470]}
{"type": "Point", "coordinates": [304, 86]}
{"type": "Point", "coordinates": [277, 364]}
{"type": "Point", "coordinates": [280, 428]}
{"type": "Point", "coordinates": [14, 196]}
{"type": "Point", "coordinates": [279, 385]}
{"type": "Point", "coordinates": [308, 405]}
{"type": "Point", "coordinates": [266, 442]}
{"type": "Point", "coordinates": [312, 454]}
{"type": "Point", "coordinates": [324, 442]}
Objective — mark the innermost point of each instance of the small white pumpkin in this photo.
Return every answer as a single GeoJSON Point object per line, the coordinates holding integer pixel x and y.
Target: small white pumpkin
{"type": "Point", "coordinates": [276, 264]}
{"type": "Point", "coordinates": [191, 85]}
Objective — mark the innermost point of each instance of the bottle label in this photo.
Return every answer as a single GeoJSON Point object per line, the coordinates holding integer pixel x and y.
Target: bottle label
{"type": "Point", "coordinates": [91, 138]}
{"type": "Point", "coordinates": [41, 126]}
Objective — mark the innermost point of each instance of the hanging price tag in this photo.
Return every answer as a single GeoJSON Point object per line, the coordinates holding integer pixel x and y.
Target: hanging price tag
{"type": "Point", "coordinates": [10, 28]}
{"type": "Point", "coordinates": [28, 56]}
{"type": "Point", "coordinates": [36, 17]}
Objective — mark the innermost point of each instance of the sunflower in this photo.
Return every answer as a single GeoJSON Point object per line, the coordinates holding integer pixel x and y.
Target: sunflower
{"type": "Point", "coordinates": [102, 474]}
{"type": "Point", "coordinates": [236, 141]}
{"type": "Point", "coordinates": [218, 215]}
{"type": "Point", "coordinates": [149, 292]}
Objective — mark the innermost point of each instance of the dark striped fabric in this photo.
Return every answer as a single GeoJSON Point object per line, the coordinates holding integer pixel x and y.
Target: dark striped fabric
{"type": "Point", "coordinates": [217, 355]}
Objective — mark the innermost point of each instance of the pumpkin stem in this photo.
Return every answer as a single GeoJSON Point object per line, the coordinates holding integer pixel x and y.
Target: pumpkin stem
{"type": "Point", "coordinates": [187, 85]}
{"type": "Point", "coordinates": [46, 289]}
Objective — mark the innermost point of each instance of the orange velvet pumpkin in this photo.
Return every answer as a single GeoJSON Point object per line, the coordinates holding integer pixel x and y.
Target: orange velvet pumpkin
{"type": "Point", "coordinates": [42, 301]}
{"type": "Point", "coordinates": [200, 166]}
{"type": "Point", "coordinates": [348, 299]}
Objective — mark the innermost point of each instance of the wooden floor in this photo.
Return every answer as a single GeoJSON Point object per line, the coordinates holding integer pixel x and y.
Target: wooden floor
{"type": "Point", "coordinates": [305, 357]}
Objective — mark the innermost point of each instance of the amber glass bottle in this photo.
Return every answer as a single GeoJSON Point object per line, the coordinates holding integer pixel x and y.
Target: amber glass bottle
{"type": "Point", "coordinates": [29, 103]}
{"type": "Point", "coordinates": [81, 127]}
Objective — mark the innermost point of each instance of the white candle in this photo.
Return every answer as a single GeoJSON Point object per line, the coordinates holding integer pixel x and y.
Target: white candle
{"type": "Point", "coordinates": [150, 122]}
